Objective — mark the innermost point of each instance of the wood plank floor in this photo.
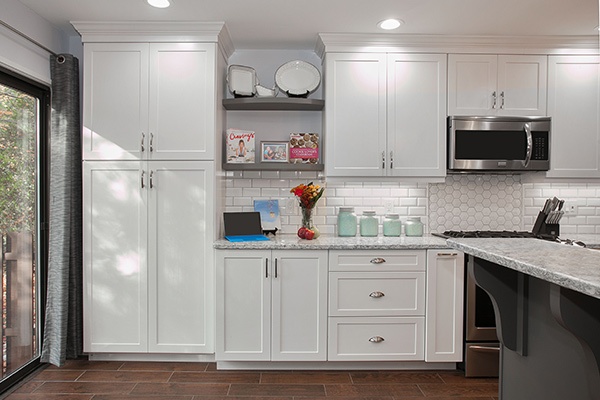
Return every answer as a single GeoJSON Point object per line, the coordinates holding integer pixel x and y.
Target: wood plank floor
{"type": "Point", "coordinates": [96, 380]}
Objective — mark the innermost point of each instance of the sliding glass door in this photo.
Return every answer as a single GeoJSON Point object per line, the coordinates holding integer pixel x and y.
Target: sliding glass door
{"type": "Point", "coordinates": [23, 169]}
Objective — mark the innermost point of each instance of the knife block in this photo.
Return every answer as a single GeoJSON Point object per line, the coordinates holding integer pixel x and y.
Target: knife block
{"type": "Point", "coordinates": [540, 227]}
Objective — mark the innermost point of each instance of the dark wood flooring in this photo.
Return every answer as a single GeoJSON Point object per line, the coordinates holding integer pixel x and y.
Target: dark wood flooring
{"type": "Point", "coordinates": [87, 380]}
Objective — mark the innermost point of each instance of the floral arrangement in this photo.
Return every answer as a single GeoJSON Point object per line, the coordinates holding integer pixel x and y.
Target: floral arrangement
{"type": "Point", "coordinates": [307, 196]}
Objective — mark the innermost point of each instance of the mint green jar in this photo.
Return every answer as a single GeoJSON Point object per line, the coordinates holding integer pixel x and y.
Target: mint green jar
{"type": "Point", "coordinates": [369, 224]}
{"type": "Point", "coordinates": [413, 227]}
{"type": "Point", "coordinates": [347, 222]}
{"type": "Point", "coordinates": [392, 226]}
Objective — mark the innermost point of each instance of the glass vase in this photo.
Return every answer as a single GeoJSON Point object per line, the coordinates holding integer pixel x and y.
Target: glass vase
{"type": "Point", "coordinates": [307, 220]}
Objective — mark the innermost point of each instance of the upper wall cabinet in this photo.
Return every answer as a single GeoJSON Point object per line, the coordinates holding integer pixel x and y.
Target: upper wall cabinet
{"type": "Point", "coordinates": [152, 101]}
{"type": "Point", "coordinates": [385, 114]}
{"type": "Point", "coordinates": [574, 106]}
{"type": "Point", "coordinates": [497, 85]}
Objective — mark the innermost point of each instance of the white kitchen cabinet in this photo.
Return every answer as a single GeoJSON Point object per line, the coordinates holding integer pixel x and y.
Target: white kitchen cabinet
{"type": "Point", "coordinates": [444, 312]}
{"type": "Point", "coordinates": [574, 106]}
{"type": "Point", "coordinates": [513, 85]}
{"type": "Point", "coordinates": [376, 305]}
{"type": "Point", "coordinates": [149, 101]}
{"type": "Point", "coordinates": [385, 114]}
{"type": "Point", "coordinates": [271, 305]}
{"type": "Point", "coordinates": [147, 256]}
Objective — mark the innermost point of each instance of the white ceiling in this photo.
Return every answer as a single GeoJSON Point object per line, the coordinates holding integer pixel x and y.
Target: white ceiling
{"type": "Point", "coordinates": [294, 24]}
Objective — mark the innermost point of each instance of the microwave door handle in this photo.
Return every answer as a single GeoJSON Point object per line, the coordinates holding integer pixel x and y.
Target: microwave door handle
{"type": "Point", "coordinates": [527, 129]}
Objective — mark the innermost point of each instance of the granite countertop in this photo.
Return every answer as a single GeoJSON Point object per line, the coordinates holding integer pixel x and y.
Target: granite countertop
{"type": "Point", "coordinates": [292, 242]}
{"type": "Point", "coordinates": [571, 267]}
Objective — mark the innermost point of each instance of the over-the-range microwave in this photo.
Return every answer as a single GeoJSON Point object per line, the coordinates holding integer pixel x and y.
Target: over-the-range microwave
{"type": "Point", "coordinates": [498, 144]}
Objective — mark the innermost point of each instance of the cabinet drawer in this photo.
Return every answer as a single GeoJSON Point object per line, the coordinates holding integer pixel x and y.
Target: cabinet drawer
{"type": "Point", "coordinates": [377, 260]}
{"type": "Point", "coordinates": [373, 339]}
{"type": "Point", "coordinates": [369, 294]}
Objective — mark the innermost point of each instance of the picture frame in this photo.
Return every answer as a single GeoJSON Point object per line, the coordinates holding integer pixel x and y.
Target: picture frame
{"type": "Point", "coordinates": [276, 152]}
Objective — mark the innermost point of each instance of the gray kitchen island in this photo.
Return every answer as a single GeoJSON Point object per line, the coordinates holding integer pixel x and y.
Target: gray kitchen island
{"type": "Point", "coordinates": [546, 297]}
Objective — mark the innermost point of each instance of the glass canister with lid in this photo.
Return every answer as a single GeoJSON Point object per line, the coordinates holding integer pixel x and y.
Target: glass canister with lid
{"type": "Point", "coordinates": [413, 227]}
{"type": "Point", "coordinates": [347, 222]}
{"type": "Point", "coordinates": [392, 226]}
{"type": "Point", "coordinates": [369, 225]}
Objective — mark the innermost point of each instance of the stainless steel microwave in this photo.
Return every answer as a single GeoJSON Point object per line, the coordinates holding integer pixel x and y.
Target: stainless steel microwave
{"type": "Point", "coordinates": [498, 144]}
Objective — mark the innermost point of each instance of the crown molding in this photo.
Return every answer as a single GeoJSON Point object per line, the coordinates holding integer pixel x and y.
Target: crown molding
{"type": "Point", "coordinates": [342, 42]}
{"type": "Point", "coordinates": [155, 31]}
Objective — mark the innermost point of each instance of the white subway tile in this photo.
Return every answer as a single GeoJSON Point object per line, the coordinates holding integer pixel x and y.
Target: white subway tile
{"type": "Point", "coordinates": [251, 174]}
{"type": "Point", "coordinates": [400, 192]}
{"type": "Point", "coordinates": [344, 192]}
{"type": "Point", "coordinates": [241, 183]}
{"type": "Point", "coordinates": [288, 175]}
{"type": "Point", "coordinates": [261, 183]}
{"type": "Point", "coordinates": [242, 201]}
{"type": "Point", "coordinates": [269, 192]}
{"type": "Point", "coordinates": [334, 201]}
{"type": "Point", "coordinates": [251, 192]}
{"type": "Point", "coordinates": [281, 183]}
{"type": "Point", "coordinates": [270, 174]}
{"type": "Point", "coordinates": [233, 192]}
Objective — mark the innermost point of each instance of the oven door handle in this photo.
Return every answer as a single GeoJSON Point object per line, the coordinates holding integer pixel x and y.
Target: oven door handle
{"type": "Point", "coordinates": [484, 349]}
{"type": "Point", "coordinates": [527, 129]}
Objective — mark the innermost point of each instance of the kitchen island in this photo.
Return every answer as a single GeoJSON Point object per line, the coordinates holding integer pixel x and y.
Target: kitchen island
{"type": "Point", "coordinates": [547, 301]}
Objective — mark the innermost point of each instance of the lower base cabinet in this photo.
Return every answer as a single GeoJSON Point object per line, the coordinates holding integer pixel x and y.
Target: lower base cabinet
{"type": "Point", "coordinates": [271, 305]}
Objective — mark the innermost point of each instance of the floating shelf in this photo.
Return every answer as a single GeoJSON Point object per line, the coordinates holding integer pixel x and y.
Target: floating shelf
{"type": "Point", "coordinates": [273, 104]}
{"type": "Point", "coordinates": [273, 167]}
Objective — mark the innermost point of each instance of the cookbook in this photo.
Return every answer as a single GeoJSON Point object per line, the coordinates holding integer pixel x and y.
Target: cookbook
{"type": "Point", "coordinates": [240, 146]}
{"type": "Point", "coordinates": [304, 148]}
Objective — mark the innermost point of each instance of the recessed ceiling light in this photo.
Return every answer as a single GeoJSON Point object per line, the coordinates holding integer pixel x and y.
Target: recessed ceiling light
{"type": "Point", "coordinates": [390, 24]}
{"type": "Point", "coordinates": [159, 3]}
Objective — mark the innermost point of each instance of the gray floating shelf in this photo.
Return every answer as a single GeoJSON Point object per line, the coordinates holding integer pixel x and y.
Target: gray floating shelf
{"type": "Point", "coordinates": [273, 104]}
{"type": "Point", "coordinates": [273, 167]}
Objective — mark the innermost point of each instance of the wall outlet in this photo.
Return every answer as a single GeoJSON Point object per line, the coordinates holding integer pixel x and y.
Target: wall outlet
{"type": "Point", "coordinates": [570, 209]}
{"type": "Point", "coordinates": [388, 205]}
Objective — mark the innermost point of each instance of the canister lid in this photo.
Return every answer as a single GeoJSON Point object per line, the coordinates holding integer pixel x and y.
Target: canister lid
{"type": "Point", "coordinates": [369, 213]}
{"type": "Point", "coordinates": [392, 216]}
{"type": "Point", "coordinates": [347, 209]}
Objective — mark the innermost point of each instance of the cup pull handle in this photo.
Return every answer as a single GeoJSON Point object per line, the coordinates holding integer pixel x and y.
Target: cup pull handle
{"type": "Point", "coordinates": [378, 260]}
{"type": "Point", "coordinates": [376, 295]}
{"type": "Point", "coordinates": [376, 339]}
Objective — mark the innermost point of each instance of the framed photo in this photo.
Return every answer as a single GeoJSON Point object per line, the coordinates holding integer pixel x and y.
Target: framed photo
{"type": "Point", "coordinates": [274, 152]}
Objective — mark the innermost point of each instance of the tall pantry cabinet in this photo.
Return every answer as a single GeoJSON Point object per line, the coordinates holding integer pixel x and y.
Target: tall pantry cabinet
{"type": "Point", "coordinates": [152, 123]}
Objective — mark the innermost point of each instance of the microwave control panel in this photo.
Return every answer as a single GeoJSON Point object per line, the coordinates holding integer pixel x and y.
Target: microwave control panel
{"type": "Point", "coordinates": [540, 146]}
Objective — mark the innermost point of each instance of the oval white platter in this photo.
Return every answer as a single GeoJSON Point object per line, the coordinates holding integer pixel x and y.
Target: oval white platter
{"type": "Point", "coordinates": [297, 78]}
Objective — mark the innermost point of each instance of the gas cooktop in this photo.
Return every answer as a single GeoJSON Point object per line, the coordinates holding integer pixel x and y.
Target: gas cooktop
{"type": "Point", "coordinates": [506, 234]}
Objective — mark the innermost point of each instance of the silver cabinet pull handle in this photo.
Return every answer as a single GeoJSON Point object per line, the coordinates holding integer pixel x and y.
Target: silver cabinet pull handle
{"type": "Point", "coordinates": [376, 295]}
{"type": "Point", "coordinates": [151, 182]}
{"type": "Point", "coordinates": [502, 100]}
{"type": "Point", "coordinates": [143, 139]}
{"type": "Point", "coordinates": [383, 160]}
{"type": "Point", "coordinates": [266, 267]}
{"type": "Point", "coordinates": [485, 349]}
{"type": "Point", "coordinates": [275, 268]}
{"type": "Point", "coordinates": [447, 254]}
{"type": "Point", "coordinates": [391, 160]}
{"type": "Point", "coordinates": [142, 179]}
{"type": "Point", "coordinates": [377, 260]}
{"type": "Point", "coordinates": [494, 98]}
{"type": "Point", "coordinates": [376, 339]}
{"type": "Point", "coordinates": [152, 141]}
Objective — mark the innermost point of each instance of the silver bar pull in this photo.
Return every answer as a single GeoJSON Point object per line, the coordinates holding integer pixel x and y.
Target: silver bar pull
{"type": "Point", "coordinates": [376, 339]}
{"type": "Point", "coordinates": [143, 139]}
{"type": "Point", "coordinates": [502, 100]}
{"type": "Point", "coordinates": [152, 141]}
{"type": "Point", "coordinates": [485, 349]}
{"type": "Point", "coordinates": [266, 267]}
{"type": "Point", "coordinates": [377, 260]}
{"type": "Point", "coordinates": [495, 99]}
{"type": "Point", "coordinates": [142, 178]}
{"type": "Point", "coordinates": [151, 183]}
{"type": "Point", "coordinates": [391, 160]}
{"type": "Point", "coordinates": [447, 254]}
{"type": "Point", "coordinates": [376, 295]}
{"type": "Point", "coordinates": [275, 268]}
{"type": "Point", "coordinates": [383, 160]}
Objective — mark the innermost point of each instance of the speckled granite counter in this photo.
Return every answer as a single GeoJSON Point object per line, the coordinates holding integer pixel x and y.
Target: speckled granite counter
{"type": "Point", "coordinates": [572, 267]}
{"type": "Point", "coordinates": [292, 242]}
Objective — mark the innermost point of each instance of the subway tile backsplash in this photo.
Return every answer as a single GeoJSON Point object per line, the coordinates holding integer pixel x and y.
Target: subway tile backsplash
{"type": "Point", "coordinates": [462, 202]}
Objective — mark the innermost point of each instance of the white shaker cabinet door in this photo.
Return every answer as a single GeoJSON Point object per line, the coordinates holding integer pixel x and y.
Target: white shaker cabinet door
{"type": "Point", "coordinates": [444, 313]}
{"type": "Point", "coordinates": [522, 85]}
{"type": "Point", "coordinates": [574, 106]}
{"type": "Point", "coordinates": [243, 305]}
{"type": "Point", "coordinates": [472, 81]}
{"type": "Point", "coordinates": [182, 101]}
{"type": "Point", "coordinates": [355, 114]}
{"type": "Point", "coordinates": [115, 90]}
{"type": "Point", "coordinates": [114, 271]}
{"type": "Point", "coordinates": [180, 256]}
{"type": "Point", "coordinates": [299, 326]}
{"type": "Point", "coordinates": [416, 114]}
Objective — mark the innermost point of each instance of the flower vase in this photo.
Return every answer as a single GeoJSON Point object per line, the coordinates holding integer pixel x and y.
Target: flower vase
{"type": "Point", "coordinates": [307, 220]}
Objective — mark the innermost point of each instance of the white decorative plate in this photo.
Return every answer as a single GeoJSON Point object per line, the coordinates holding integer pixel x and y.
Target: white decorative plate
{"type": "Point", "coordinates": [297, 78]}
{"type": "Point", "coordinates": [241, 80]}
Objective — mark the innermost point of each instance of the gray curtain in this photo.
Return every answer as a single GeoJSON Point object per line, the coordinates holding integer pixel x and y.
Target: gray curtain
{"type": "Point", "coordinates": [63, 327]}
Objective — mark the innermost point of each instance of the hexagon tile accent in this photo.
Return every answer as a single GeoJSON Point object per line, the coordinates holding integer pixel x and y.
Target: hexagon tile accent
{"type": "Point", "coordinates": [476, 202]}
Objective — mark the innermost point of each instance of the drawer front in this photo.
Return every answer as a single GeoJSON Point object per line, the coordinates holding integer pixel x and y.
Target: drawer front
{"type": "Point", "coordinates": [374, 339]}
{"type": "Point", "coordinates": [377, 260]}
{"type": "Point", "coordinates": [366, 294]}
